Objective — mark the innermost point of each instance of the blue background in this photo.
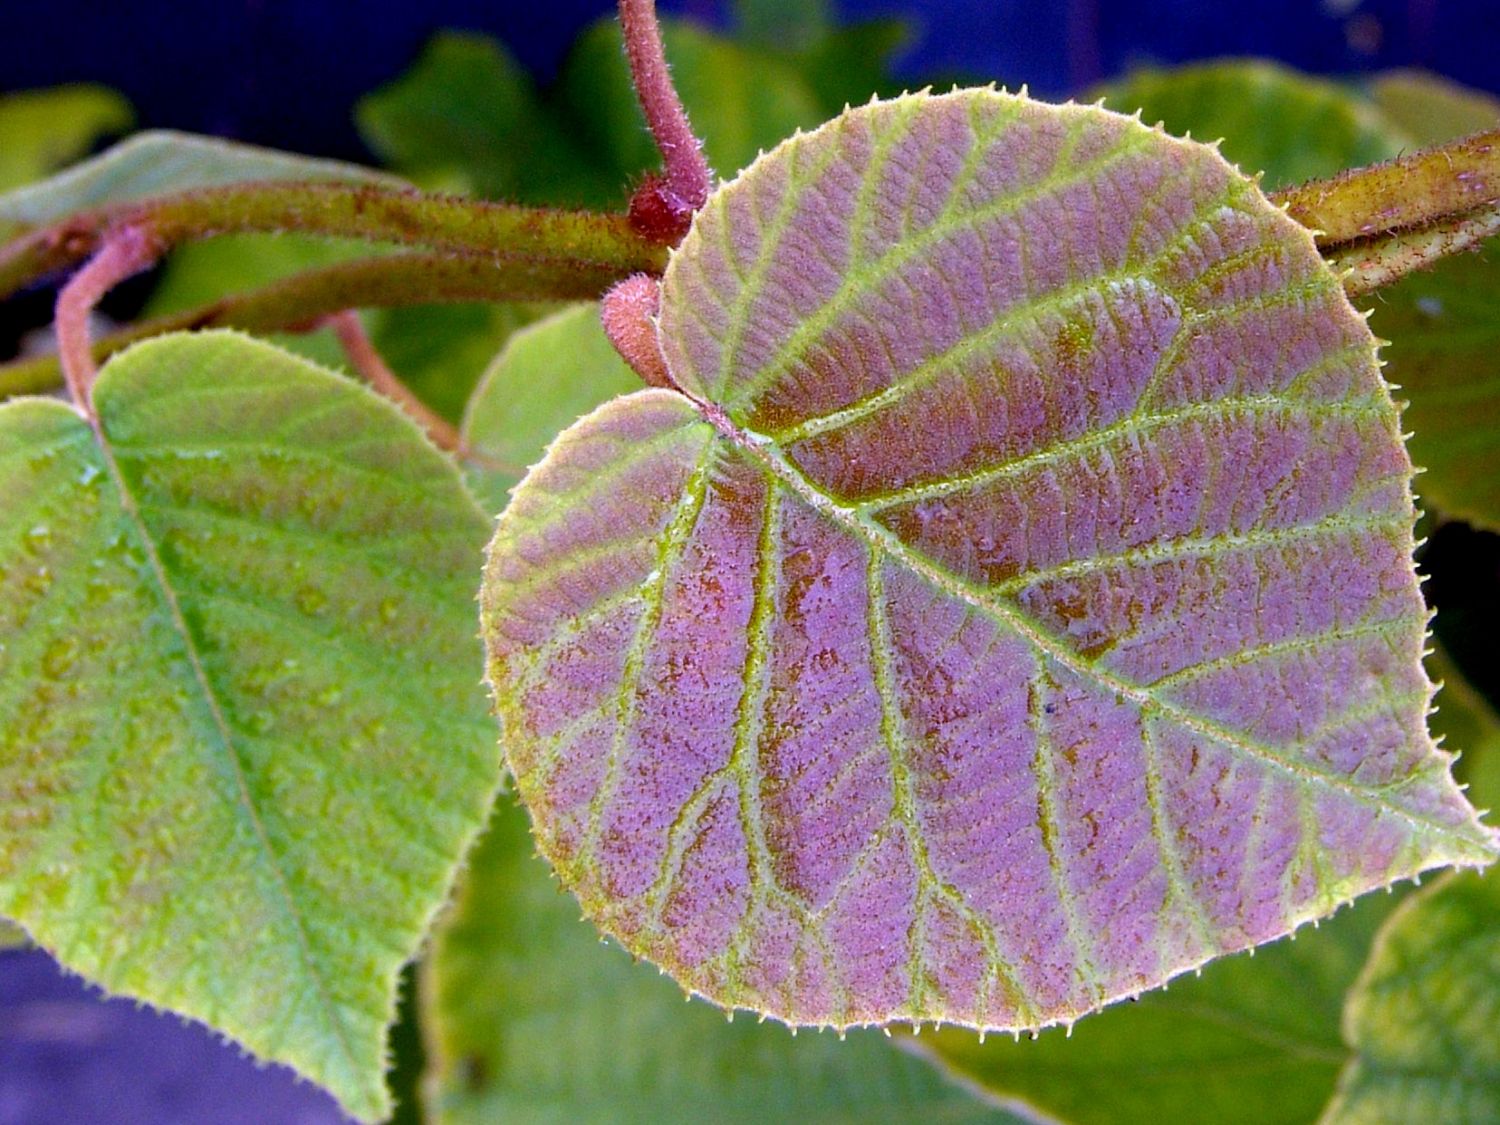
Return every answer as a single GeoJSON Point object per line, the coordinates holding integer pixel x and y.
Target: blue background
{"type": "Point", "coordinates": [287, 72]}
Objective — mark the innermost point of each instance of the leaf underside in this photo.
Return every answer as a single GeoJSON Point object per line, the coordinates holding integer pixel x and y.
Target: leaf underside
{"type": "Point", "coordinates": [240, 746]}
{"type": "Point", "coordinates": [1014, 610]}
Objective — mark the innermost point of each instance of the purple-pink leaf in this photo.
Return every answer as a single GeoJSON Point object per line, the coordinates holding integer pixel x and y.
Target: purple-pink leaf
{"type": "Point", "coordinates": [1011, 608]}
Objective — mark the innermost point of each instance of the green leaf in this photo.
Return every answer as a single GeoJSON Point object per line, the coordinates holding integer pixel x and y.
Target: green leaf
{"type": "Point", "coordinates": [545, 379]}
{"type": "Point", "coordinates": [42, 130]}
{"type": "Point", "coordinates": [242, 746]}
{"type": "Point", "coordinates": [850, 64]}
{"type": "Point", "coordinates": [740, 100]}
{"type": "Point", "coordinates": [441, 351]}
{"type": "Point", "coordinates": [1468, 724]}
{"type": "Point", "coordinates": [160, 161]}
{"type": "Point", "coordinates": [467, 117]}
{"type": "Point", "coordinates": [1253, 1041]}
{"type": "Point", "coordinates": [533, 1020]}
{"type": "Point", "coordinates": [1272, 120]}
{"type": "Point", "coordinates": [787, 25]}
{"type": "Point", "coordinates": [1424, 1017]}
{"type": "Point", "coordinates": [1014, 609]}
{"type": "Point", "coordinates": [1444, 330]}
{"type": "Point", "coordinates": [1431, 109]}
{"type": "Point", "coordinates": [12, 936]}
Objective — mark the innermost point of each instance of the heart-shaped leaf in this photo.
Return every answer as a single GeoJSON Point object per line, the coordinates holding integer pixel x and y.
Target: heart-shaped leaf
{"type": "Point", "coordinates": [1424, 1017]}
{"type": "Point", "coordinates": [242, 745]}
{"type": "Point", "coordinates": [1014, 608]}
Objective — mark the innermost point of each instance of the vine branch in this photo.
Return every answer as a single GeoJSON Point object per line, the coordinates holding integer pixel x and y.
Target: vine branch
{"type": "Point", "coordinates": [1431, 186]}
{"type": "Point", "coordinates": [498, 231]}
{"type": "Point", "coordinates": [1372, 264]}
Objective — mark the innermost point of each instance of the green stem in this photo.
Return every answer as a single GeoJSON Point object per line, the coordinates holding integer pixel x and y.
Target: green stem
{"type": "Point", "coordinates": [300, 301]}
{"type": "Point", "coordinates": [568, 239]}
{"type": "Point", "coordinates": [1436, 185]}
{"type": "Point", "coordinates": [1369, 265]}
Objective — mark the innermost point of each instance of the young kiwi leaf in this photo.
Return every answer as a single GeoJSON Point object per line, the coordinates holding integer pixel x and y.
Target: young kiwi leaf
{"type": "Point", "coordinates": [242, 745]}
{"type": "Point", "coordinates": [1012, 608]}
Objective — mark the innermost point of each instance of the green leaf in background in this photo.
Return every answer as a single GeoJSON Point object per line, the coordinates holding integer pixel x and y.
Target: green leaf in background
{"type": "Point", "coordinates": [441, 351]}
{"type": "Point", "coordinates": [467, 117]}
{"type": "Point", "coordinates": [1424, 1017]}
{"type": "Point", "coordinates": [242, 742]}
{"type": "Point", "coordinates": [1444, 327]}
{"type": "Point", "coordinates": [1444, 355]}
{"type": "Point", "coordinates": [1431, 109]}
{"type": "Point", "coordinates": [531, 1019]}
{"type": "Point", "coordinates": [1468, 724]}
{"type": "Point", "coordinates": [741, 100]}
{"type": "Point", "coordinates": [12, 936]}
{"type": "Point", "coordinates": [44, 130]}
{"type": "Point", "coordinates": [161, 161]}
{"type": "Point", "coordinates": [201, 272]}
{"type": "Point", "coordinates": [787, 25]}
{"type": "Point", "coordinates": [850, 64]}
{"type": "Point", "coordinates": [1254, 1040]}
{"type": "Point", "coordinates": [1273, 120]}
{"type": "Point", "coordinates": [547, 377]}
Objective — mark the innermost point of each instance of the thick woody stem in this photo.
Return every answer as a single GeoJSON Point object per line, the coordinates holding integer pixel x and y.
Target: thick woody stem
{"type": "Point", "coordinates": [664, 205]}
{"type": "Point", "coordinates": [126, 253]}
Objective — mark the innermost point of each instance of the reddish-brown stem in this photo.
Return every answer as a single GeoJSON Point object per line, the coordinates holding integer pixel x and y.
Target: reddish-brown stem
{"type": "Point", "coordinates": [368, 363]}
{"type": "Point", "coordinates": [628, 312]}
{"type": "Point", "coordinates": [664, 206]}
{"type": "Point", "coordinates": [127, 252]}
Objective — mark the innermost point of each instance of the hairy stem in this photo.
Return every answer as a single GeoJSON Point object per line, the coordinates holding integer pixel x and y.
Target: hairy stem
{"type": "Point", "coordinates": [304, 299]}
{"type": "Point", "coordinates": [127, 253]}
{"type": "Point", "coordinates": [664, 207]}
{"type": "Point", "coordinates": [629, 312]}
{"type": "Point", "coordinates": [1378, 262]}
{"type": "Point", "coordinates": [370, 365]}
{"type": "Point", "coordinates": [1432, 186]}
{"type": "Point", "coordinates": [566, 239]}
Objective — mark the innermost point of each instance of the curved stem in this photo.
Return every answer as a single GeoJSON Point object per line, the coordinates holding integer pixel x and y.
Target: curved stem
{"type": "Point", "coordinates": [664, 207]}
{"type": "Point", "coordinates": [367, 361]}
{"type": "Point", "coordinates": [126, 254]}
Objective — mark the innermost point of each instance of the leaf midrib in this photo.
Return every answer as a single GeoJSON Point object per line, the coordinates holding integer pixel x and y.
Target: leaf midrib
{"type": "Point", "coordinates": [763, 450]}
{"type": "Point", "coordinates": [170, 602]}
